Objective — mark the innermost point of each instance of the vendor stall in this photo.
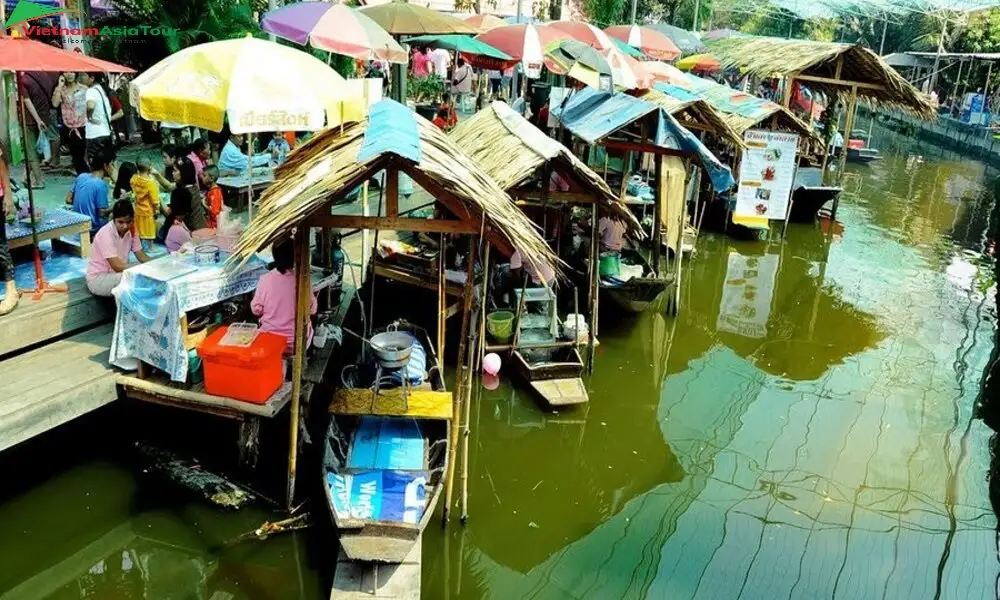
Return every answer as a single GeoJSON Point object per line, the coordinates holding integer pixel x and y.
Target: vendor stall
{"type": "Point", "coordinates": [621, 123]}
{"type": "Point", "coordinates": [538, 171]}
{"type": "Point", "coordinates": [469, 202]}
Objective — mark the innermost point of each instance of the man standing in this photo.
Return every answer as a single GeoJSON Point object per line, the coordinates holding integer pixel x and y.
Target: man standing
{"type": "Point", "coordinates": [38, 105]}
{"type": "Point", "coordinates": [442, 61]}
{"type": "Point", "coordinates": [99, 117]}
{"type": "Point", "coordinates": [462, 84]}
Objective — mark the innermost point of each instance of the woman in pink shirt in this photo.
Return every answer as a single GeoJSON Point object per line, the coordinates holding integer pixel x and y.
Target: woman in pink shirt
{"type": "Point", "coordinates": [421, 60]}
{"type": "Point", "coordinates": [110, 249]}
{"type": "Point", "coordinates": [180, 207]}
{"type": "Point", "coordinates": [199, 156]}
{"type": "Point", "coordinates": [274, 300]}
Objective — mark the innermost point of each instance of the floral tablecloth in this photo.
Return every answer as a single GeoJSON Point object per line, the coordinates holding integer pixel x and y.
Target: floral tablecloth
{"type": "Point", "coordinates": [147, 326]}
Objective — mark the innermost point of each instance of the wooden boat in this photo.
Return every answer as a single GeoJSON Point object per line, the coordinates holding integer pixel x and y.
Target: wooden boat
{"type": "Point", "coordinates": [637, 294]}
{"type": "Point", "coordinates": [557, 380]}
{"type": "Point", "coordinates": [384, 464]}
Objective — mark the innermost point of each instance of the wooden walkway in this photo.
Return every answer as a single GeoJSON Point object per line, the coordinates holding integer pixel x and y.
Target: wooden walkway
{"type": "Point", "coordinates": [54, 316]}
{"type": "Point", "coordinates": [54, 384]}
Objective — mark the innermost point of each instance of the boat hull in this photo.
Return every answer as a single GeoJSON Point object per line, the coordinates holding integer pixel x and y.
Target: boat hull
{"type": "Point", "coordinates": [557, 382]}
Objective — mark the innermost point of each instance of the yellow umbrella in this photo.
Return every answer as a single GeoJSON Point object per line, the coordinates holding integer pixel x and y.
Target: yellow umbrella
{"type": "Point", "coordinates": [259, 85]}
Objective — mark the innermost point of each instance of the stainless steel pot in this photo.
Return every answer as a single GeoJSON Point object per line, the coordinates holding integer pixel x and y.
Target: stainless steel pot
{"type": "Point", "coordinates": [392, 348]}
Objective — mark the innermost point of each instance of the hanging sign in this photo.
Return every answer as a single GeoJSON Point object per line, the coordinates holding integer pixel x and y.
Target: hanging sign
{"type": "Point", "coordinates": [766, 174]}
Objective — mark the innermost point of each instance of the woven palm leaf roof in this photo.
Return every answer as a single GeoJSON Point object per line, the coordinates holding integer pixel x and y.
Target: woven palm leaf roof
{"type": "Point", "coordinates": [511, 150]}
{"type": "Point", "coordinates": [695, 113]}
{"type": "Point", "coordinates": [771, 57]}
{"type": "Point", "coordinates": [335, 162]}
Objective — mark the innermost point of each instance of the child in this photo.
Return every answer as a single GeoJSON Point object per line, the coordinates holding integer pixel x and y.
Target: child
{"type": "Point", "coordinates": [146, 191]}
{"type": "Point", "coordinates": [278, 147]}
{"type": "Point", "coordinates": [450, 116]}
{"type": "Point", "coordinates": [180, 207]}
{"type": "Point", "coordinates": [213, 197]}
{"type": "Point", "coordinates": [122, 184]}
{"type": "Point", "coordinates": [441, 119]}
{"type": "Point", "coordinates": [274, 300]}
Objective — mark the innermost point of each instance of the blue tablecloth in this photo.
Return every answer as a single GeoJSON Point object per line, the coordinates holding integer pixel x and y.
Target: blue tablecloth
{"type": "Point", "coordinates": [147, 326]}
{"type": "Point", "coordinates": [53, 219]}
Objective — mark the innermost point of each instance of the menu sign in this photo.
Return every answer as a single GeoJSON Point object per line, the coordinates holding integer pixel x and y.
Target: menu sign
{"type": "Point", "coordinates": [766, 174]}
{"type": "Point", "coordinates": [746, 295]}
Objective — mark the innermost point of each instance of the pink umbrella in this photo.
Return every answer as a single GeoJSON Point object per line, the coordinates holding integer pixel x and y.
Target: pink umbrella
{"type": "Point", "coordinates": [336, 28]}
{"type": "Point", "coordinates": [649, 41]}
{"type": "Point", "coordinates": [584, 32]}
{"type": "Point", "coordinates": [525, 43]}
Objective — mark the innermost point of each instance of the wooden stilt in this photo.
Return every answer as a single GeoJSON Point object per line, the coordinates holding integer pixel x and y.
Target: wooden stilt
{"type": "Point", "coordinates": [302, 301]}
{"type": "Point", "coordinates": [460, 377]}
{"type": "Point", "coordinates": [594, 287]}
{"type": "Point", "coordinates": [848, 127]}
{"type": "Point", "coordinates": [442, 300]}
{"type": "Point", "coordinates": [658, 200]}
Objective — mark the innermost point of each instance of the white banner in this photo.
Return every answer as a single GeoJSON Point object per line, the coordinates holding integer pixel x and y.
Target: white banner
{"type": "Point", "coordinates": [746, 296]}
{"type": "Point", "coordinates": [766, 174]}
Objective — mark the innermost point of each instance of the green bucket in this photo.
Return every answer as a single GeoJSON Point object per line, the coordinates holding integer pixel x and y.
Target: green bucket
{"type": "Point", "coordinates": [500, 324]}
{"type": "Point", "coordinates": [610, 264]}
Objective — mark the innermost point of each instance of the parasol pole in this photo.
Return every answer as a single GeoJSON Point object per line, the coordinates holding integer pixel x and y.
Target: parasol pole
{"type": "Point", "coordinates": [41, 286]}
{"type": "Point", "coordinates": [249, 177]}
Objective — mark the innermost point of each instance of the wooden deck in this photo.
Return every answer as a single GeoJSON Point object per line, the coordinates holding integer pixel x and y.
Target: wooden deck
{"type": "Point", "coordinates": [54, 384]}
{"type": "Point", "coordinates": [55, 315]}
{"type": "Point", "coordinates": [160, 391]}
{"type": "Point", "coordinates": [370, 581]}
{"type": "Point", "coordinates": [421, 404]}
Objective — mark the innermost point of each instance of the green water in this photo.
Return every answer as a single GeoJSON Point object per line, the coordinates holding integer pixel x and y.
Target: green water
{"type": "Point", "coordinates": [805, 428]}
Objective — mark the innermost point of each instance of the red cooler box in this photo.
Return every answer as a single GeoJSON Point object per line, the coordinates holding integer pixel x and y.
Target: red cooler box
{"type": "Point", "coordinates": [252, 373]}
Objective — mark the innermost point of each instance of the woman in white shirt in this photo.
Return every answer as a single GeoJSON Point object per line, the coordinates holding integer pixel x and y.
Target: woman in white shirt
{"type": "Point", "coordinates": [99, 118]}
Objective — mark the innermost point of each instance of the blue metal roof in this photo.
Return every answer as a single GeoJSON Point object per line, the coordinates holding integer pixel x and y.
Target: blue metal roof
{"type": "Point", "coordinates": [592, 115]}
{"type": "Point", "coordinates": [392, 127]}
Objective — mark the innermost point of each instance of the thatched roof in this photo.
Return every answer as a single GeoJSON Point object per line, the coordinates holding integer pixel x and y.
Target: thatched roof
{"type": "Point", "coordinates": [335, 162]}
{"type": "Point", "coordinates": [771, 57]}
{"type": "Point", "coordinates": [511, 150]}
{"type": "Point", "coordinates": [695, 113]}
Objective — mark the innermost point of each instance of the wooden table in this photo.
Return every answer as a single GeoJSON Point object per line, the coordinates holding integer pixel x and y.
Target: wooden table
{"type": "Point", "coordinates": [53, 225]}
{"type": "Point", "coordinates": [238, 186]}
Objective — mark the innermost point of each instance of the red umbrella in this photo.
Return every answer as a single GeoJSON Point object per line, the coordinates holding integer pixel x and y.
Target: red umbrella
{"type": "Point", "coordinates": [21, 54]}
{"type": "Point", "coordinates": [526, 43]}
{"type": "Point", "coordinates": [584, 32]}
{"type": "Point", "coordinates": [649, 41]}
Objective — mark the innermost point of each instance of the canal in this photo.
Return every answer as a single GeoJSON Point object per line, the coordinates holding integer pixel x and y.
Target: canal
{"type": "Point", "coordinates": [809, 426]}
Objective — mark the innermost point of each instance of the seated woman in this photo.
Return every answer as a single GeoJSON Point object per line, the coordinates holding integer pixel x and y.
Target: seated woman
{"type": "Point", "coordinates": [110, 249]}
{"type": "Point", "coordinates": [178, 233]}
{"type": "Point", "coordinates": [274, 301]}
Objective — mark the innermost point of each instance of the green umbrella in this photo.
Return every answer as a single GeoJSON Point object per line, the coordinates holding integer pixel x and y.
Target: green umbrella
{"type": "Point", "coordinates": [626, 49]}
{"type": "Point", "coordinates": [460, 43]}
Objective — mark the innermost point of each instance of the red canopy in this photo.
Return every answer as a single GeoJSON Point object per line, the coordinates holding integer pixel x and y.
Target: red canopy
{"type": "Point", "coordinates": [22, 54]}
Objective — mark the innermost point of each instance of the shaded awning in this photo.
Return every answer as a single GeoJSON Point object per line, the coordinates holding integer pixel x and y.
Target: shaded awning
{"type": "Point", "coordinates": [593, 115]}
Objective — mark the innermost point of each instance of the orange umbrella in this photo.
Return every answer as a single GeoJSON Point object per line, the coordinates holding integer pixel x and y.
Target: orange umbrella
{"type": "Point", "coordinates": [583, 32]}
{"type": "Point", "coordinates": [699, 63]}
{"type": "Point", "coordinates": [484, 23]}
{"type": "Point", "coordinates": [651, 42]}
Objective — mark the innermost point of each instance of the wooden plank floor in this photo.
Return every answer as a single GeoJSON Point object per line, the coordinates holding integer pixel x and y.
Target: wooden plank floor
{"type": "Point", "coordinates": [54, 315]}
{"type": "Point", "coordinates": [371, 581]}
{"type": "Point", "coordinates": [49, 386]}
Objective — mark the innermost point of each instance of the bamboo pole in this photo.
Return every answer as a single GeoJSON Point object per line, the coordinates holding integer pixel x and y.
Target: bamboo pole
{"type": "Point", "coordinates": [474, 352]}
{"type": "Point", "coordinates": [302, 297]}
{"type": "Point", "coordinates": [460, 377]}
{"type": "Point", "coordinates": [594, 288]}
{"type": "Point", "coordinates": [657, 208]}
{"type": "Point", "coordinates": [442, 299]}
{"type": "Point", "coordinates": [848, 125]}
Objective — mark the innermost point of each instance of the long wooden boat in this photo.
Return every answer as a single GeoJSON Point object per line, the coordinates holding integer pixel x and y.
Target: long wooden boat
{"type": "Point", "coordinates": [383, 464]}
{"type": "Point", "coordinates": [638, 294]}
{"type": "Point", "coordinates": [557, 380]}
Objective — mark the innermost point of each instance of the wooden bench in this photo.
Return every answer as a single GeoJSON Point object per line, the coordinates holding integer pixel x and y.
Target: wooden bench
{"type": "Point", "coordinates": [55, 315]}
{"type": "Point", "coordinates": [44, 388]}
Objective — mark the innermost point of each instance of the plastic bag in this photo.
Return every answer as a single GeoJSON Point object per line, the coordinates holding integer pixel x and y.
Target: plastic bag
{"type": "Point", "coordinates": [575, 328]}
{"type": "Point", "coordinates": [42, 147]}
{"type": "Point", "coordinates": [228, 224]}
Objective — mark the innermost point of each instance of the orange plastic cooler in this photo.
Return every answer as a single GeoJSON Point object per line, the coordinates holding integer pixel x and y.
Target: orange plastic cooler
{"type": "Point", "coordinates": [251, 373]}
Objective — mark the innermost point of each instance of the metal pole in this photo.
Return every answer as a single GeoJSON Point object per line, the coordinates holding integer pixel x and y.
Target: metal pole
{"type": "Point", "coordinates": [514, 79]}
{"type": "Point", "coordinates": [697, 9]}
{"type": "Point", "coordinates": [635, 5]}
{"type": "Point", "coordinates": [271, 6]}
{"type": "Point", "coordinates": [937, 55]}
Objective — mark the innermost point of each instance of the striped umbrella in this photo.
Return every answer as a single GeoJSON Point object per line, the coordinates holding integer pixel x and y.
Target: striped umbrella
{"type": "Point", "coordinates": [584, 32]}
{"type": "Point", "coordinates": [525, 43]}
{"type": "Point", "coordinates": [484, 23]}
{"type": "Point", "coordinates": [651, 42]}
{"type": "Point", "coordinates": [335, 28]}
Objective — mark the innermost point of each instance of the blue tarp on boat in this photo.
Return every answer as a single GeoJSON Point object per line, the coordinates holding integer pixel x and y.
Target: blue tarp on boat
{"type": "Point", "coordinates": [593, 114]}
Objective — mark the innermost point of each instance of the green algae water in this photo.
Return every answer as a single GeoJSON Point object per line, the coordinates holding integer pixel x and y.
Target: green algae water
{"type": "Point", "coordinates": [811, 425]}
